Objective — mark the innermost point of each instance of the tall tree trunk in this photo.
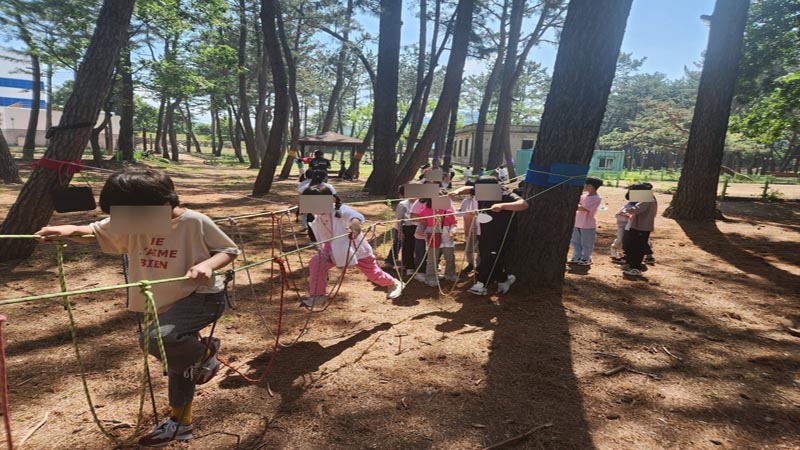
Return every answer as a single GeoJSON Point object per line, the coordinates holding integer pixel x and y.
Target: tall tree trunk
{"type": "Point", "coordinates": [8, 168]}
{"type": "Point", "coordinates": [488, 93]}
{"type": "Point", "coordinates": [336, 92]}
{"type": "Point", "coordinates": [291, 66]}
{"type": "Point", "coordinates": [384, 114]}
{"type": "Point", "coordinates": [696, 196]}
{"type": "Point", "coordinates": [573, 112]}
{"type": "Point", "coordinates": [173, 136]}
{"type": "Point", "coordinates": [33, 207]}
{"type": "Point", "coordinates": [109, 135]}
{"type": "Point", "coordinates": [418, 110]}
{"type": "Point", "coordinates": [97, 152]}
{"type": "Point", "coordinates": [191, 139]}
{"type": "Point", "coordinates": [126, 107]}
{"type": "Point", "coordinates": [451, 136]}
{"type": "Point", "coordinates": [269, 13]}
{"type": "Point", "coordinates": [244, 107]}
{"type": "Point", "coordinates": [33, 120]}
{"type": "Point", "coordinates": [450, 91]}
{"type": "Point", "coordinates": [261, 107]}
{"type": "Point", "coordinates": [233, 132]}
{"type": "Point", "coordinates": [165, 126]}
{"type": "Point", "coordinates": [220, 135]}
{"type": "Point", "coordinates": [160, 124]}
{"type": "Point", "coordinates": [214, 126]}
{"type": "Point", "coordinates": [48, 116]}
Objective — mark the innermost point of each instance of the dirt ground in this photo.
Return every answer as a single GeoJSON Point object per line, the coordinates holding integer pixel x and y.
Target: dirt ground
{"type": "Point", "coordinates": [710, 364]}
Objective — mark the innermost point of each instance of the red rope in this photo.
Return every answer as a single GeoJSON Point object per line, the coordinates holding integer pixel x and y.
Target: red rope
{"type": "Point", "coordinates": [271, 361]}
{"type": "Point", "coordinates": [4, 388]}
{"type": "Point", "coordinates": [69, 167]}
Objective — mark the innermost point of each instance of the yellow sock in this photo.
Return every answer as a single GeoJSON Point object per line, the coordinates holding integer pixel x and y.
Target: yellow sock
{"type": "Point", "coordinates": [184, 414]}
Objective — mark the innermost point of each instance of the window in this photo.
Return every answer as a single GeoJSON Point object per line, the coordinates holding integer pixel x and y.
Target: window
{"type": "Point", "coordinates": [606, 163]}
{"type": "Point", "coordinates": [458, 152]}
{"type": "Point", "coordinates": [527, 144]}
{"type": "Point", "coordinates": [466, 148]}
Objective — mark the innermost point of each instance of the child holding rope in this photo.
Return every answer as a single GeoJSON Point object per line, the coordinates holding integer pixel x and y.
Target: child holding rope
{"type": "Point", "coordinates": [194, 247]}
{"type": "Point", "coordinates": [438, 237]}
{"type": "Point", "coordinates": [496, 237]}
{"type": "Point", "coordinates": [342, 251]}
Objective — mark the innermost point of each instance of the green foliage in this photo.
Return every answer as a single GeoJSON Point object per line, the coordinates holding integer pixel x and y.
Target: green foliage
{"type": "Point", "coordinates": [768, 100]}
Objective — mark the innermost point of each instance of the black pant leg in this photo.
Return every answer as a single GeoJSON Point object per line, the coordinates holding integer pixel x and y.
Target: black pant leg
{"type": "Point", "coordinates": [408, 246]}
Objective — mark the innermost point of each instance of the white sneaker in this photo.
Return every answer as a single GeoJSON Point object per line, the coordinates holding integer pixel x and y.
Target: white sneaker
{"type": "Point", "coordinates": [574, 260]}
{"type": "Point", "coordinates": [315, 301]}
{"type": "Point", "coordinates": [421, 278]}
{"type": "Point", "coordinates": [165, 432]}
{"type": "Point", "coordinates": [585, 262]}
{"type": "Point", "coordinates": [396, 290]}
{"type": "Point", "coordinates": [478, 289]}
{"type": "Point", "coordinates": [502, 288]}
{"type": "Point", "coordinates": [614, 252]}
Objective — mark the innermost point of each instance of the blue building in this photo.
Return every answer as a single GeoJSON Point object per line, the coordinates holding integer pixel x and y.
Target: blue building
{"type": "Point", "coordinates": [16, 85]}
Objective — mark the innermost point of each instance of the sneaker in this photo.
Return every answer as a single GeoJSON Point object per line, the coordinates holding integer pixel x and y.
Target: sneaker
{"type": "Point", "coordinates": [432, 283]}
{"type": "Point", "coordinates": [469, 268]}
{"type": "Point", "coordinates": [421, 278]}
{"type": "Point", "coordinates": [396, 290]}
{"type": "Point", "coordinates": [409, 272]}
{"type": "Point", "coordinates": [503, 287]}
{"type": "Point", "coordinates": [573, 260]}
{"type": "Point", "coordinates": [649, 259]}
{"type": "Point", "coordinates": [166, 432]}
{"type": "Point", "coordinates": [478, 289]}
{"type": "Point", "coordinates": [625, 267]}
{"type": "Point", "coordinates": [315, 301]}
{"type": "Point", "coordinates": [584, 262]}
{"type": "Point", "coordinates": [203, 373]}
{"type": "Point", "coordinates": [618, 259]}
{"type": "Point", "coordinates": [632, 272]}
{"type": "Point", "coordinates": [614, 253]}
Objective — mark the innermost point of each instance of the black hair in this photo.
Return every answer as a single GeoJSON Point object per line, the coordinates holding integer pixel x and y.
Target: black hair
{"type": "Point", "coordinates": [319, 153]}
{"type": "Point", "coordinates": [639, 186]}
{"type": "Point", "coordinates": [318, 176]}
{"type": "Point", "coordinates": [594, 182]}
{"type": "Point", "coordinates": [325, 190]}
{"type": "Point", "coordinates": [486, 179]}
{"type": "Point", "coordinates": [401, 190]}
{"type": "Point", "coordinates": [138, 187]}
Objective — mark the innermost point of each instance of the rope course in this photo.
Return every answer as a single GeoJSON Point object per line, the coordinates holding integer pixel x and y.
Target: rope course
{"type": "Point", "coordinates": [279, 256]}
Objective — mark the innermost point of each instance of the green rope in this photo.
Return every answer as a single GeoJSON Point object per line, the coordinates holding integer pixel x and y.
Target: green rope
{"type": "Point", "coordinates": [74, 334]}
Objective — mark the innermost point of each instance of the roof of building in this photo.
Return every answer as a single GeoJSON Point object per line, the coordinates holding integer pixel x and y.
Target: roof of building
{"type": "Point", "coordinates": [329, 138]}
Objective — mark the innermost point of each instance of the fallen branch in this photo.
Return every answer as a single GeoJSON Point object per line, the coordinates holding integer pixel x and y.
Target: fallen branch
{"type": "Point", "coordinates": [519, 437]}
{"type": "Point", "coordinates": [614, 371]}
{"type": "Point", "coordinates": [619, 369]}
{"type": "Point", "coordinates": [666, 350]}
{"type": "Point", "coordinates": [33, 430]}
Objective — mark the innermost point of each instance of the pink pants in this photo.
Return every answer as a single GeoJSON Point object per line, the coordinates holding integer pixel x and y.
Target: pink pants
{"type": "Point", "coordinates": [322, 262]}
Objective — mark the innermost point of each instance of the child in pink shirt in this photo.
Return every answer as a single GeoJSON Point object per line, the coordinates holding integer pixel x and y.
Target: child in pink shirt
{"type": "Point", "coordinates": [435, 227]}
{"type": "Point", "coordinates": [585, 230]}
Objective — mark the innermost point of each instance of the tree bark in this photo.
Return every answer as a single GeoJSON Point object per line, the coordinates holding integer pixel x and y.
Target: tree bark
{"type": "Point", "coordinates": [232, 131]}
{"type": "Point", "coordinates": [451, 136]}
{"type": "Point", "coordinates": [696, 196]}
{"type": "Point", "coordinates": [173, 136]}
{"type": "Point", "coordinates": [33, 207]}
{"type": "Point", "coordinates": [191, 139]}
{"type": "Point", "coordinates": [291, 66]}
{"type": "Point", "coordinates": [48, 115]}
{"type": "Point", "coordinates": [269, 13]}
{"type": "Point", "coordinates": [244, 107]}
{"type": "Point", "coordinates": [417, 112]}
{"type": "Point", "coordinates": [384, 114]}
{"type": "Point", "coordinates": [97, 152]}
{"type": "Point", "coordinates": [450, 91]}
{"type": "Point", "coordinates": [33, 120]}
{"type": "Point", "coordinates": [488, 93]}
{"type": "Point", "coordinates": [336, 92]}
{"type": "Point", "coordinates": [160, 125]}
{"type": "Point", "coordinates": [573, 112]}
{"type": "Point", "coordinates": [8, 168]}
{"type": "Point", "coordinates": [126, 107]}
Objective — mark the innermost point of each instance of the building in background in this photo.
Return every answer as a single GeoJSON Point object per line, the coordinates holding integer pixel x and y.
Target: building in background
{"type": "Point", "coordinates": [521, 137]}
{"type": "Point", "coordinates": [16, 99]}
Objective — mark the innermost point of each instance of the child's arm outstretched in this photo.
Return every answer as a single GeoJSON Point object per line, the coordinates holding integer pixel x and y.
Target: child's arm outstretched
{"type": "Point", "coordinates": [203, 270]}
{"type": "Point", "coordinates": [516, 205]}
{"type": "Point", "coordinates": [71, 232]}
